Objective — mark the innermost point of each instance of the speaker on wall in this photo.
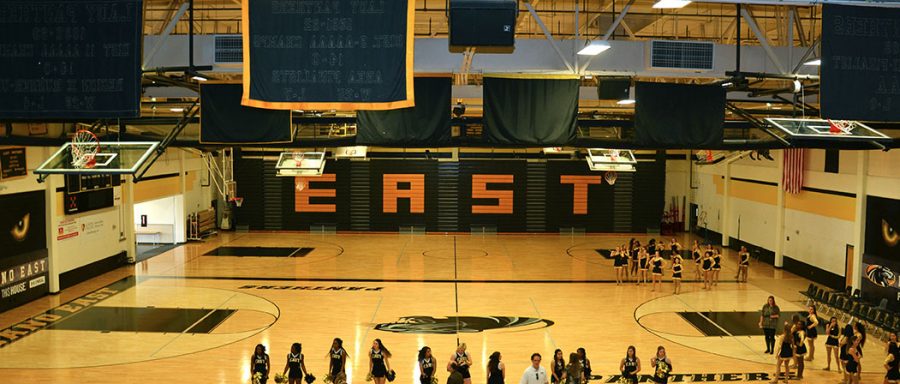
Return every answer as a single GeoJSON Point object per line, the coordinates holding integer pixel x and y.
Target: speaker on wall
{"type": "Point", "coordinates": [483, 23]}
{"type": "Point", "coordinates": [613, 88]}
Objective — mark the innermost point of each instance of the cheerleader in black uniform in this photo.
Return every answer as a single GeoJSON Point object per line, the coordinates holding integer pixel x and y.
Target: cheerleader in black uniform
{"type": "Point", "coordinates": [892, 361]}
{"type": "Point", "coordinates": [675, 247]}
{"type": "Point", "coordinates": [643, 257]}
{"type": "Point", "coordinates": [558, 371]}
{"type": "Point", "coordinates": [619, 261]}
{"type": "Point", "coordinates": [743, 265]}
{"type": "Point", "coordinates": [717, 266]}
{"type": "Point", "coordinates": [259, 364]}
{"type": "Point", "coordinates": [295, 368]}
{"type": "Point", "coordinates": [460, 361]}
{"type": "Point", "coordinates": [379, 362]}
{"type": "Point", "coordinates": [635, 255]}
{"type": "Point", "coordinates": [832, 345]}
{"type": "Point", "coordinates": [337, 358]}
{"type": "Point", "coordinates": [662, 366]}
{"type": "Point", "coordinates": [784, 347]}
{"type": "Point", "coordinates": [496, 369]}
{"type": "Point", "coordinates": [657, 263]}
{"type": "Point", "coordinates": [706, 265]}
{"type": "Point", "coordinates": [585, 364]}
{"type": "Point", "coordinates": [860, 336]}
{"type": "Point", "coordinates": [630, 366]}
{"type": "Point", "coordinates": [844, 345]}
{"type": "Point", "coordinates": [697, 256]}
{"type": "Point", "coordinates": [812, 331]}
{"type": "Point", "coordinates": [799, 334]}
{"type": "Point", "coordinates": [851, 373]}
{"type": "Point", "coordinates": [427, 362]}
{"type": "Point", "coordinates": [651, 247]}
{"type": "Point", "coordinates": [676, 274]}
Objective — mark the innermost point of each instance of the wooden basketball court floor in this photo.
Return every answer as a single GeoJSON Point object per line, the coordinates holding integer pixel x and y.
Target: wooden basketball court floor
{"type": "Point", "coordinates": [186, 316]}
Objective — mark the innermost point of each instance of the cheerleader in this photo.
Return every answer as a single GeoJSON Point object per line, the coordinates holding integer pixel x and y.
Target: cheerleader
{"type": "Point", "coordinates": [558, 371]}
{"type": "Point", "coordinates": [676, 274]}
{"type": "Point", "coordinates": [619, 261]}
{"type": "Point", "coordinates": [460, 361]}
{"type": "Point", "coordinates": [892, 361]}
{"type": "Point", "coordinates": [675, 247]}
{"type": "Point", "coordinates": [697, 256]}
{"type": "Point", "coordinates": [635, 250]}
{"type": "Point", "coordinates": [844, 344]}
{"type": "Point", "coordinates": [799, 335]}
{"type": "Point", "coordinates": [860, 336]}
{"type": "Point", "coordinates": [379, 362]}
{"type": "Point", "coordinates": [717, 266]}
{"type": "Point", "coordinates": [851, 373]}
{"type": "Point", "coordinates": [574, 370]}
{"type": "Point", "coordinates": [630, 366]}
{"type": "Point", "coordinates": [784, 353]}
{"type": "Point", "coordinates": [585, 364]}
{"type": "Point", "coordinates": [743, 265]}
{"type": "Point", "coordinates": [651, 246]}
{"type": "Point", "coordinates": [657, 264]}
{"type": "Point", "coordinates": [295, 368]}
{"type": "Point", "coordinates": [337, 358]}
{"type": "Point", "coordinates": [642, 266]}
{"type": "Point", "coordinates": [706, 265]}
{"type": "Point", "coordinates": [812, 331]}
{"type": "Point", "coordinates": [662, 366]}
{"type": "Point", "coordinates": [427, 363]}
{"type": "Point", "coordinates": [259, 364]}
{"type": "Point", "coordinates": [831, 343]}
{"type": "Point", "coordinates": [496, 370]}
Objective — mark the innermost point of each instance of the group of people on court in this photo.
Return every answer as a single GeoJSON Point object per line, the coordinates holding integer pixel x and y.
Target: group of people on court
{"type": "Point", "coordinates": [635, 260]}
{"type": "Point", "coordinates": [575, 370]}
{"type": "Point", "coordinates": [796, 343]}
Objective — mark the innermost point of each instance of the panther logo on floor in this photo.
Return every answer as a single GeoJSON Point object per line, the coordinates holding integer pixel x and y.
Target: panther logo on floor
{"type": "Point", "coordinates": [461, 324]}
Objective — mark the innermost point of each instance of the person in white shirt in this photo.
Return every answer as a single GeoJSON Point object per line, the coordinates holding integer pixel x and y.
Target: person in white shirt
{"type": "Point", "coordinates": [535, 374]}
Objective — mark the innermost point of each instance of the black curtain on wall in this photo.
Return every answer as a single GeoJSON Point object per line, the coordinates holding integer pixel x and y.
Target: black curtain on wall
{"type": "Point", "coordinates": [426, 124]}
{"type": "Point", "coordinates": [679, 115]}
{"type": "Point", "coordinates": [224, 120]}
{"type": "Point", "coordinates": [530, 111]}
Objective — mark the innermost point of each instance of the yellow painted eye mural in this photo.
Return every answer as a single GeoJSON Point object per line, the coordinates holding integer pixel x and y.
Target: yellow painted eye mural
{"type": "Point", "coordinates": [19, 230]}
{"type": "Point", "coordinates": [889, 233]}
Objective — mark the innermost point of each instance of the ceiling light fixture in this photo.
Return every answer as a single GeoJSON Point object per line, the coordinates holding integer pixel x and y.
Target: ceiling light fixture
{"type": "Point", "coordinates": [199, 78]}
{"type": "Point", "coordinates": [176, 109]}
{"type": "Point", "coordinates": [671, 4]}
{"type": "Point", "coordinates": [813, 62]}
{"type": "Point", "coordinates": [625, 102]}
{"type": "Point", "coordinates": [594, 48]}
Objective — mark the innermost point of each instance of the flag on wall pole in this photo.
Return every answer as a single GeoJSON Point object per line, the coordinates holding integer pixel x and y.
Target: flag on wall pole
{"type": "Point", "coordinates": [792, 178]}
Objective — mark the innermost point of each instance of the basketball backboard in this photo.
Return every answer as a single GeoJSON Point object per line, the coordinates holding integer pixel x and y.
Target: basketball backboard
{"type": "Point", "coordinates": [292, 164]}
{"type": "Point", "coordinates": [111, 158]}
{"type": "Point", "coordinates": [618, 160]}
{"type": "Point", "coordinates": [825, 129]}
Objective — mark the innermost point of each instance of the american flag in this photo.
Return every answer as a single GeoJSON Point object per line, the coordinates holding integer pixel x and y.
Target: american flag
{"type": "Point", "coordinates": [792, 178]}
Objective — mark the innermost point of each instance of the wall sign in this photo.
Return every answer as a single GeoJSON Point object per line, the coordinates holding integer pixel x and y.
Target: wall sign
{"type": "Point", "coordinates": [13, 162]}
{"type": "Point", "coordinates": [23, 241]}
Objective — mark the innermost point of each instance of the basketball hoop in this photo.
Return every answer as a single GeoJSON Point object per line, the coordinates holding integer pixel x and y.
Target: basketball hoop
{"type": "Point", "coordinates": [238, 201]}
{"type": "Point", "coordinates": [610, 177]}
{"type": "Point", "coordinates": [298, 159]}
{"type": "Point", "coordinates": [839, 127]}
{"type": "Point", "coordinates": [85, 146]}
{"type": "Point", "coordinates": [614, 155]}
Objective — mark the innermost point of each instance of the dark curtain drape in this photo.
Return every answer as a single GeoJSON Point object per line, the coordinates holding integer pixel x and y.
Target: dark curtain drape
{"type": "Point", "coordinates": [224, 120]}
{"type": "Point", "coordinates": [530, 111]}
{"type": "Point", "coordinates": [679, 115]}
{"type": "Point", "coordinates": [426, 124]}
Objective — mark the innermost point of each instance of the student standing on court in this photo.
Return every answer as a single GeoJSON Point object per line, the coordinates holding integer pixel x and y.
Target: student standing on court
{"type": "Point", "coordinates": [619, 261]}
{"type": "Point", "coordinates": [831, 343]}
{"type": "Point", "coordinates": [295, 368]}
{"type": "Point", "coordinates": [574, 371]}
{"type": "Point", "coordinates": [892, 361]}
{"type": "Point", "coordinates": [768, 320]}
{"type": "Point", "coordinates": [259, 364]}
{"type": "Point", "coordinates": [635, 256]}
{"type": "Point", "coordinates": [379, 362]}
{"type": "Point", "coordinates": [427, 363]}
{"type": "Point", "coordinates": [707, 269]}
{"type": "Point", "coordinates": [630, 366]}
{"type": "Point", "coordinates": [535, 373]}
{"type": "Point", "coordinates": [662, 366]}
{"type": "Point", "coordinates": [697, 256]}
{"type": "Point", "coordinates": [743, 265]}
{"type": "Point", "coordinates": [643, 257]}
{"type": "Point", "coordinates": [460, 361]}
{"type": "Point", "coordinates": [798, 332]}
{"type": "Point", "coordinates": [812, 331]}
{"type": "Point", "coordinates": [559, 367]}
{"type": "Point", "coordinates": [585, 364]}
{"type": "Point", "coordinates": [717, 266]}
{"type": "Point", "coordinates": [676, 273]}
{"type": "Point", "coordinates": [784, 353]}
{"type": "Point", "coordinates": [656, 273]}
{"type": "Point", "coordinates": [496, 370]}
{"type": "Point", "coordinates": [851, 373]}
{"type": "Point", "coordinates": [337, 358]}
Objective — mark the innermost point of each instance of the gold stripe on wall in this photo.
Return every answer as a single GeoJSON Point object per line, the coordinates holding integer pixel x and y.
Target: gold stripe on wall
{"type": "Point", "coordinates": [823, 204]}
{"type": "Point", "coordinates": [760, 193]}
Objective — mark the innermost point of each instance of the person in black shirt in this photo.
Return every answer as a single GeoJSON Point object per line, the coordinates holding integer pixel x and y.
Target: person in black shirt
{"type": "Point", "coordinates": [460, 362]}
{"type": "Point", "coordinates": [295, 367]}
{"type": "Point", "coordinates": [630, 366]}
{"type": "Point", "coordinates": [427, 362]}
{"type": "Point", "coordinates": [585, 364]}
{"type": "Point", "coordinates": [558, 370]}
{"type": "Point", "coordinates": [259, 364]}
{"type": "Point", "coordinates": [833, 330]}
{"type": "Point", "coordinates": [743, 265]}
{"type": "Point", "coordinates": [656, 264]}
{"type": "Point", "coordinates": [337, 358]}
{"type": "Point", "coordinates": [676, 273]}
{"type": "Point", "coordinates": [379, 362]}
{"type": "Point", "coordinates": [496, 370]}
{"type": "Point", "coordinates": [619, 261]}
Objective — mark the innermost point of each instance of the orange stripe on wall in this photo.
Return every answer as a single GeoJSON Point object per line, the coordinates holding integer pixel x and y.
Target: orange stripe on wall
{"type": "Point", "coordinates": [760, 193]}
{"type": "Point", "coordinates": [823, 204]}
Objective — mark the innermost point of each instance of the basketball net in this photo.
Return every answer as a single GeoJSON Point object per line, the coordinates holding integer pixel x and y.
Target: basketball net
{"type": "Point", "coordinates": [610, 177]}
{"type": "Point", "coordinates": [838, 127]}
{"type": "Point", "coordinates": [709, 156]}
{"type": "Point", "coordinates": [614, 155]}
{"type": "Point", "coordinates": [84, 148]}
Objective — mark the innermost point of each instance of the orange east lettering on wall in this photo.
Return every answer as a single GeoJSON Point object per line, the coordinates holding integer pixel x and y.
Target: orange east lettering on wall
{"type": "Point", "coordinates": [504, 197]}
{"type": "Point", "coordinates": [391, 192]}
{"type": "Point", "coordinates": [301, 198]}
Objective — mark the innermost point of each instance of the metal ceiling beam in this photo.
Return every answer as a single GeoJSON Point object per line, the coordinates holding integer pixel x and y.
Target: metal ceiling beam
{"type": "Point", "coordinates": [549, 36]}
{"type": "Point", "coordinates": [810, 3]}
{"type": "Point", "coordinates": [762, 40]}
{"type": "Point", "coordinates": [165, 33]}
{"type": "Point", "coordinates": [609, 32]}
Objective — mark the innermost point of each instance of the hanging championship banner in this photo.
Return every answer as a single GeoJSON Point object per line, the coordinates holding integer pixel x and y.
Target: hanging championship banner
{"type": "Point", "coordinates": [315, 55]}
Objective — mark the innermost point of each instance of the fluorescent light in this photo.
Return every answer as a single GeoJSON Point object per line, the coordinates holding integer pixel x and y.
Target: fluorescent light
{"type": "Point", "coordinates": [671, 4]}
{"type": "Point", "coordinates": [199, 78]}
{"type": "Point", "coordinates": [813, 62]}
{"type": "Point", "coordinates": [625, 102]}
{"type": "Point", "coordinates": [153, 99]}
{"type": "Point", "coordinates": [727, 84]}
{"type": "Point", "coordinates": [594, 48]}
{"type": "Point", "coordinates": [176, 109]}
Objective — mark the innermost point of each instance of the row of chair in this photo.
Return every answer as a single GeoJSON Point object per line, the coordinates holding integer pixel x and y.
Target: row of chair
{"type": "Point", "coordinates": [848, 305]}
